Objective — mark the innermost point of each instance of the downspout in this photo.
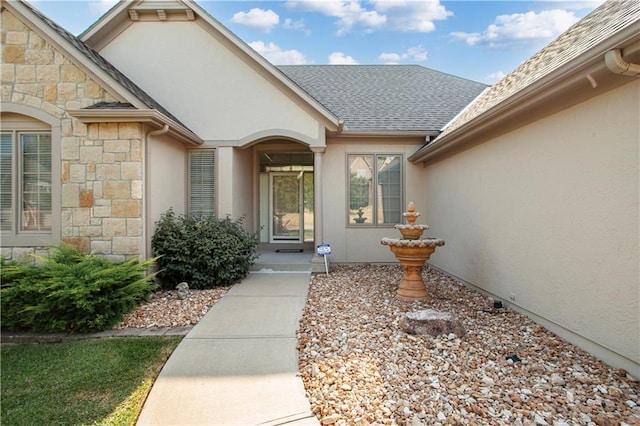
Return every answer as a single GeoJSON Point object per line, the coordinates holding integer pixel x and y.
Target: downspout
{"type": "Point", "coordinates": [617, 65]}
{"type": "Point", "coordinates": [147, 197]}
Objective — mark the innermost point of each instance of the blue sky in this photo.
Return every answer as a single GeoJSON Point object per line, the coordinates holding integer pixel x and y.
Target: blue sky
{"type": "Point", "coordinates": [478, 40]}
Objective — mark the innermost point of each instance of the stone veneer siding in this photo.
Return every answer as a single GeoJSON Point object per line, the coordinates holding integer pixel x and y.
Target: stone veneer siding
{"type": "Point", "coordinates": [102, 187]}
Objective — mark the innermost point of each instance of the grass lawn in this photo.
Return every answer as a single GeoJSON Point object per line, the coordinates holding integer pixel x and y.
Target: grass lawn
{"type": "Point", "coordinates": [95, 381]}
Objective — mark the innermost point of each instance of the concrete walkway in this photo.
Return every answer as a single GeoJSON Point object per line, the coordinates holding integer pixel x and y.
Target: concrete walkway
{"type": "Point", "coordinates": [239, 364]}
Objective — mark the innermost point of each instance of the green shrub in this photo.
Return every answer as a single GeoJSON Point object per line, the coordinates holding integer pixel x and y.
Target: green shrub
{"type": "Point", "coordinates": [203, 251]}
{"type": "Point", "coordinates": [71, 292]}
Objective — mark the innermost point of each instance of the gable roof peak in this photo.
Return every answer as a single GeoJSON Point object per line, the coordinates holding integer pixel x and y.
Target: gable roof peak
{"type": "Point", "coordinates": [126, 13]}
{"type": "Point", "coordinates": [97, 67]}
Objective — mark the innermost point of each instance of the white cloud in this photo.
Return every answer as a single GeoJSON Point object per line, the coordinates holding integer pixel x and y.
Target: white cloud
{"type": "Point", "coordinates": [260, 19]}
{"type": "Point", "coordinates": [389, 58]}
{"type": "Point", "coordinates": [412, 16]}
{"type": "Point", "coordinates": [577, 4]}
{"type": "Point", "coordinates": [396, 15]}
{"type": "Point", "coordinates": [348, 12]}
{"type": "Point", "coordinates": [339, 58]}
{"type": "Point", "coordinates": [415, 54]}
{"type": "Point", "coordinates": [519, 28]}
{"type": "Point", "coordinates": [495, 77]}
{"type": "Point", "coordinates": [274, 54]}
{"type": "Point", "coordinates": [290, 24]}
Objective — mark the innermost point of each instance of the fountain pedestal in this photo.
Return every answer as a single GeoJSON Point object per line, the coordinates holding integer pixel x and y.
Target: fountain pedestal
{"type": "Point", "coordinates": [412, 252]}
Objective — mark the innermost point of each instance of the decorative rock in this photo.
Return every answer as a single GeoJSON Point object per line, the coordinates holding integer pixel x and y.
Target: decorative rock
{"type": "Point", "coordinates": [329, 420]}
{"type": "Point", "coordinates": [488, 381]}
{"type": "Point", "coordinates": [539, 420]}
{"type": "Point", "coordinates": [183, 290]}
{"type": "Point", "coordinates": [389, 370]}
{"type": "Point", "coordinates": [432, 323]}
{"type": "Point", "coordinates": [557, 379]}
{"type": "Point", "coordinates": [615, 392]}
{"type": "Point", "coordinates": [415, 421]}
{"type": "Point", "coordinates": [165, 309]}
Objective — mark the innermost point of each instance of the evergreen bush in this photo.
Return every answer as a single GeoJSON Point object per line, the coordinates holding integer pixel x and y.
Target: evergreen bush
{"type": "Point", "coordinates": [203, 251]}
{"type": "Point", "coordinates": [71, 292]}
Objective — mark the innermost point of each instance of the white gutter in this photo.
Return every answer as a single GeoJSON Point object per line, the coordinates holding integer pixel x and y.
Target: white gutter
{"type": "Point", "coordinates": [617, 65]}
{"type": "Point", "coordinates": [382, 134]}
{"type": "Point", "coordinates": [146, 213]}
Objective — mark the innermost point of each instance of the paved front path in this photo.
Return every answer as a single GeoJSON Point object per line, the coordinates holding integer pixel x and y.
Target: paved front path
{"type": "Point", "coordinates": [239, 364]}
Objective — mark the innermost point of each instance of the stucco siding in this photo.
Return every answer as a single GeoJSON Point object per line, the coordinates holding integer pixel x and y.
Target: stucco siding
{"type": "Point", "coordinates": [243, 186]}
{"type": "Point", "coordinates": [546, 218]}
{"type": "Point", "coordinates": [166, 165]}
{"type": "Point", "coordinates": [205, 84]}
{"type": "Point", "coordinates": [352, 244]}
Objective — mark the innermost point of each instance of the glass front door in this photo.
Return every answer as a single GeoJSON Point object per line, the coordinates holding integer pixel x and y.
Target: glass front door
{"type": "Point", "coordinates": [286, 207]}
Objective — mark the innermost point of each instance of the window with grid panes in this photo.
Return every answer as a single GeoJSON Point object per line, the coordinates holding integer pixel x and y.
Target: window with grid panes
{"type": "Point", "coordinates": [375, 189]}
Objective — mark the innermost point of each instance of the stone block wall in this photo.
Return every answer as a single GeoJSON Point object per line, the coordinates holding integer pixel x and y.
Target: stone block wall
{"type": "Point", "coordinates": [101, 190]}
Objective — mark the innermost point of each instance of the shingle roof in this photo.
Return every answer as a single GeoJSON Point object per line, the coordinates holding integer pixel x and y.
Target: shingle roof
{"type": "Point", "coordinates": [386, 98]}
{"type": "Point", "coordinates": [369, 98]}
{"type": "Point", "coordinates": [103, 64]}
{"type": "Point", "coordinates": [111, 105]}
{"type": "Point", "coordinates": [593, 29]}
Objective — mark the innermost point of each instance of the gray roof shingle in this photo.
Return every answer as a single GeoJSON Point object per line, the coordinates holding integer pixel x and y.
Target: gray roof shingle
{"type": "Point", "coordinates": [386, 98]}
{"type": "Point", "coordinates": [369, 98]}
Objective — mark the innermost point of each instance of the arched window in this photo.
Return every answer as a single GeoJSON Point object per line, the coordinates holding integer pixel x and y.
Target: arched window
{"type": "Point", "coordinates": [28, 204]}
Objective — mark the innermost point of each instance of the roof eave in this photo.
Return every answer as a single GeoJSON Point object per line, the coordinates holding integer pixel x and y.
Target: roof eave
{"type": "Point", "coordinates": [117, 19]}
{"type": "Point", "coordinates": [113, 18]}
{"type": "Point", "coordinates": [100, 76]}
{"type": "Point", "coordinates": [150, 117]}
{"type": "Point", "coordinates": [387, 134]}
{"type": "Point", "coordinates": [332, 122]}
{"type": "Point", "coordinates": [555, 84]}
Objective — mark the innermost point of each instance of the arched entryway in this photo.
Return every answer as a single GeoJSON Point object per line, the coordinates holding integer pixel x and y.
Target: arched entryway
{"type": "Point", "coordinates": [286, 194]}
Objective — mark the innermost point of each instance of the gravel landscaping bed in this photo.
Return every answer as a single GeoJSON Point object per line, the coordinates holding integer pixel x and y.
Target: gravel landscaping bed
{"type": "Point", "coordinates": [165, 309]}
{"type": "Point", "coordinates": [360, 368]}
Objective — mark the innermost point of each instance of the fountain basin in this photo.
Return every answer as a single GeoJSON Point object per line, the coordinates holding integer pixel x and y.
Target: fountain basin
{"type": "Point", "coordinates": [411, 232]}
{"type": "Point", "coordinates": [412, 255]}
{"type": "Point", "coordinates": [402, 242]}
{"type": "Point", "coordinates": [412, 252]}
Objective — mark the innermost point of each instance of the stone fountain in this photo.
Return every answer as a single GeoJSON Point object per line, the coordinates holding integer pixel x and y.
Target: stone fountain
{"type": "Point", "coordinates": [412, 252]}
